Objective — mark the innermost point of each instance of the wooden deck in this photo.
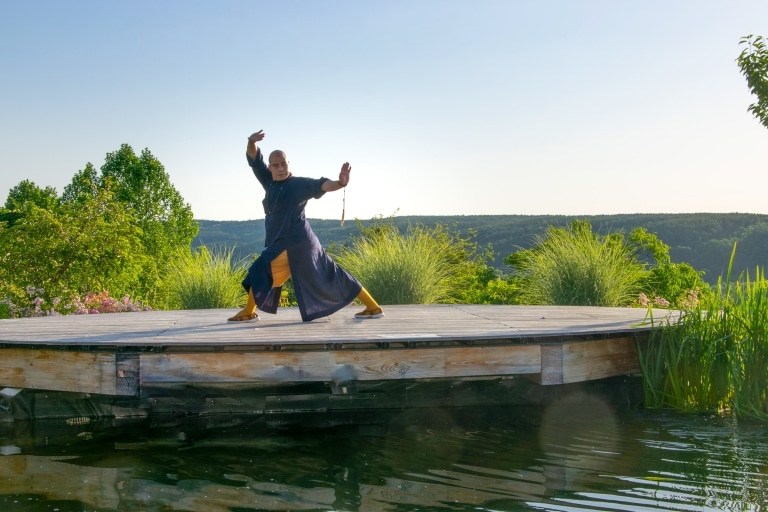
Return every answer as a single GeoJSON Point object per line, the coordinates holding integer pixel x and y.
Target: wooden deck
{"type": "Point", "coordinates": [119, 354]}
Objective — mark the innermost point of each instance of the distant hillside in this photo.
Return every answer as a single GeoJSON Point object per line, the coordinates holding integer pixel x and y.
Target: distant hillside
{"type": "Point", "coordinates": [704, 240]}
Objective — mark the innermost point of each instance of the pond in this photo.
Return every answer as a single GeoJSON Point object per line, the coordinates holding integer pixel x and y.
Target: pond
{"type": "Point", "coordinates": [567, 456]}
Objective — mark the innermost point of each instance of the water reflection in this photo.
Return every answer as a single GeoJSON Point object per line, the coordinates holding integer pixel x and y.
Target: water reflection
{"type": "Point", "coordinates": [577, 454]}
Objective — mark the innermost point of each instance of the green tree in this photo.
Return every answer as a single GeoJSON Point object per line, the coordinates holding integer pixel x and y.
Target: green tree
{"type": "Point", "coordinates": [85, 184]}
{"type": "Point", "coordinates": [27, 193]}
{"type": "Point", "coordinates": [753, 62]}
{"type": "Point", "coordinates": [678, 283]}
{"type": "Point", "coordinates": [142, 186]}
{"type": "Point", "coordinates": [89, 246]}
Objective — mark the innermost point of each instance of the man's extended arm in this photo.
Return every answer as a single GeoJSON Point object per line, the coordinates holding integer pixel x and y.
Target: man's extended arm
{"type": "Point", "coordinates": [330, 186]}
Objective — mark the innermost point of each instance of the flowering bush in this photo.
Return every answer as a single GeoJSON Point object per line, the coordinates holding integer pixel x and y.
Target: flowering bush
{"type": "Point", "coordinates": [94, 303]}
{"type": "Point", "coordinates": [35, 305]}
{"type": "Point", "coordinates": [644, 301]}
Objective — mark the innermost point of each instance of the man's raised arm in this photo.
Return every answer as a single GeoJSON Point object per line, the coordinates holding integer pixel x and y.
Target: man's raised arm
{"type": "Point", "coordinates": [252, 149]}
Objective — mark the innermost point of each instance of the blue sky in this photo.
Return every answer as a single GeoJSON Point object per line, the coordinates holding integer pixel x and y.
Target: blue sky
{"type": "Point", "coordinates": [442, 107]}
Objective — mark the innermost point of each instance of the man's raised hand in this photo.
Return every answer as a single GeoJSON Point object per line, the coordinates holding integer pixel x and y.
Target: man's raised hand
{"type": "Point", "coordinates": [256, 137]}
{"type": "Point", "coordinates": [344, 174]}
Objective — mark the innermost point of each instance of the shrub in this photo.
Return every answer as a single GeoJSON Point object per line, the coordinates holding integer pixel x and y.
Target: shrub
{"type": "Point", "coordinates": [32, 303]}
{"type": "Point", "coordinates": [573, 266]}
{"type": "Point", "coordinates": [421, 266]}
{"type": "Point", "coordinates": [399, 269]}
{"type": "Point", "coordinates": [204, 279]}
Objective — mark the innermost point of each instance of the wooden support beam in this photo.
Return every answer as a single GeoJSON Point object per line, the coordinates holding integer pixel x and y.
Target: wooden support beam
{"type": "Point", "coordinates": [85, 372]}
{"type": "Point", "coordinates": [598, 359]}
{"type": "Point", "coordinates": [579, 361]}
{"type": "Point", "coordinates": [341, 365]}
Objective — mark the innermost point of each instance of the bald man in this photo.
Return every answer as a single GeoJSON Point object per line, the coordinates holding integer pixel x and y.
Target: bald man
{"type": "Point", "coordinates": [291, 248]}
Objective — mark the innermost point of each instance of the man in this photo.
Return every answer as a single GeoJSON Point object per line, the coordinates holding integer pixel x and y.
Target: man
{"type": "Point", "coordinates": [293, 250]}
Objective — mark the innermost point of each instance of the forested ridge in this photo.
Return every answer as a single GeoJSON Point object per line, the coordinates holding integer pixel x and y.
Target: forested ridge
{"type": "Point", "coordinates": [704, 240]}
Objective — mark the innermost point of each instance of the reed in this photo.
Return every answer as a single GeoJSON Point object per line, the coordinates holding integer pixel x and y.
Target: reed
{"type": "Point", "coordinates": [714, 357]}
{"type": "Point", "coordinates": [749, 316]}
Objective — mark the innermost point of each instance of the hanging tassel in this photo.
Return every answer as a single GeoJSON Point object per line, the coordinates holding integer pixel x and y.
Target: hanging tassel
{"type": "Point", "coordinates": [343, 205]}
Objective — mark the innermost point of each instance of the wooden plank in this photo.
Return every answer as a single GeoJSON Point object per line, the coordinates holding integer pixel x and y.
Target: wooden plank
{"type": "Point", "coordinates": [127, 374]}
{"type": "Point", "coordinates": [340, 365]}
{"type": "Point", "coordinates": [401, 323]}
{"type": "Point", "coordinates": [114, 354]}
{"type": "Point", "coordinates": [597, 359]}
{"type": "Point", "coordinates": [551, 364]}
{"type": "Point", "coordinates": [86, 372]}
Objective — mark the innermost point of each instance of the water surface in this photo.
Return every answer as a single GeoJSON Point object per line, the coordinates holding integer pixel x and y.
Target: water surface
{"type": "Point", "coordinates": [567, 456]}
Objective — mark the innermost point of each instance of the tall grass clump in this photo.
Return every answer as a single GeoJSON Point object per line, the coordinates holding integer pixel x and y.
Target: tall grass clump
{"type": "Point", "coordinates": [749, 371]}
{"type": "Point", "coordinates": [685, 361]}
{"type": "Point", "coordinates": [204, 279]}
{"type": "Point", "coordinates": [396, 268]}
{"type": "Point", "coordinates": [575, 267]}
{"type": "Point", "coordinates": [714, 356]}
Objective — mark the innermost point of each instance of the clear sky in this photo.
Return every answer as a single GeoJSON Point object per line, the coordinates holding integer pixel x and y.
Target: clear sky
{"type": "Point", "coordinates": [442, 107]}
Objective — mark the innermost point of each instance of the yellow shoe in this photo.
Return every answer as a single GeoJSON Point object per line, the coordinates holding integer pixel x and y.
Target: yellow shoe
{"type": "Point", "coordinates": [370, 313]}
{"type": "Point", "coordinates": [243, 318]}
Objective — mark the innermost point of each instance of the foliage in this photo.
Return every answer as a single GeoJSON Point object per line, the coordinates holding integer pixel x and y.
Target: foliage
{"type": "Point", "coordinates": [73, 249]}
{"type": "Point", "coordinates": [27, 192]}
{"type": "Point", "coordinates": [484, 285]}
{"type": "Point", "coordinates": [204, 279]}
{"type": "Point", "coordinates": [421, 266]}
{"type": "Point", "coordinates": [34, 305]}
{"type": "Point", "coordinates": [715, 355]}
{"type": "Point", "coordinates": [753, 61]}
{"type": "Point", "coordinates": [573, 266]}
{"type": "Point", "coordinates": [143, 188]}
{"type": "Point", "coordinates": [677, 284]}
{"type": "Point", "coordinates": [702, 240]}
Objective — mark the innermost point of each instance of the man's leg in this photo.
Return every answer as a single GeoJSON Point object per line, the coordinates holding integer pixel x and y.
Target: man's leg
{"type": "Point", "coordinates": [372, 308]}
{"type": "Point", "coordinates": [281, 272]}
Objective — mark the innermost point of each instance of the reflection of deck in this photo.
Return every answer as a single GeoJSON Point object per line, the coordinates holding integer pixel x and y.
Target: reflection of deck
{"type": "Point", "coordinates": [120, 354]}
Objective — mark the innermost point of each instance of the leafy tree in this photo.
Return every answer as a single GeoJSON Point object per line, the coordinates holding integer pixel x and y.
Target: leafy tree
{"type": "Point", "coordinates": [753, 62]}
{"type": "Point", "coordinates": [27, 193]}
{"type": "Point", "coordinates": [85, 184]}
{"type": "Point", "coordinates": [678, 283]}
{"type": "Point", "coordinates": [81, 247]}
{"type": "Point", "coordinates": [141, 185]}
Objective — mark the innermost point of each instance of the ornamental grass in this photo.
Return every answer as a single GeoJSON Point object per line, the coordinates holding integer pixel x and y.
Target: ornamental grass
{"type": "Point", "coordinates": [206, 279]}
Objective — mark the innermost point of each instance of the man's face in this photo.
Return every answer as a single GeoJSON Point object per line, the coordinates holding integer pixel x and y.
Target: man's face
{"type": "Point", "coordinates": [278, 166]}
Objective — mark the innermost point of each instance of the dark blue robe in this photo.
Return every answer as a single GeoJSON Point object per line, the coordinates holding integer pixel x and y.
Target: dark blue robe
{"type": "Point", "coordinates": [321, 286]}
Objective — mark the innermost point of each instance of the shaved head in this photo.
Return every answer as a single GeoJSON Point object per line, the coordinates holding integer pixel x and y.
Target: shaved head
{"type": "Point", "coordinates": [278, 156]}
{"type": "Point", "coordinates": [278, 165]}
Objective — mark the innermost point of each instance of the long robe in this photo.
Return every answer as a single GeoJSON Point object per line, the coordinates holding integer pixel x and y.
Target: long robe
{"type": "Point", "coordinates": [322, 287]}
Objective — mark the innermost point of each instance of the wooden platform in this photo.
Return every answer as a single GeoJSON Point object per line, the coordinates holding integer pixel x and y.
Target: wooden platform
{"type": "Point", "coordinates": [125, 354]}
